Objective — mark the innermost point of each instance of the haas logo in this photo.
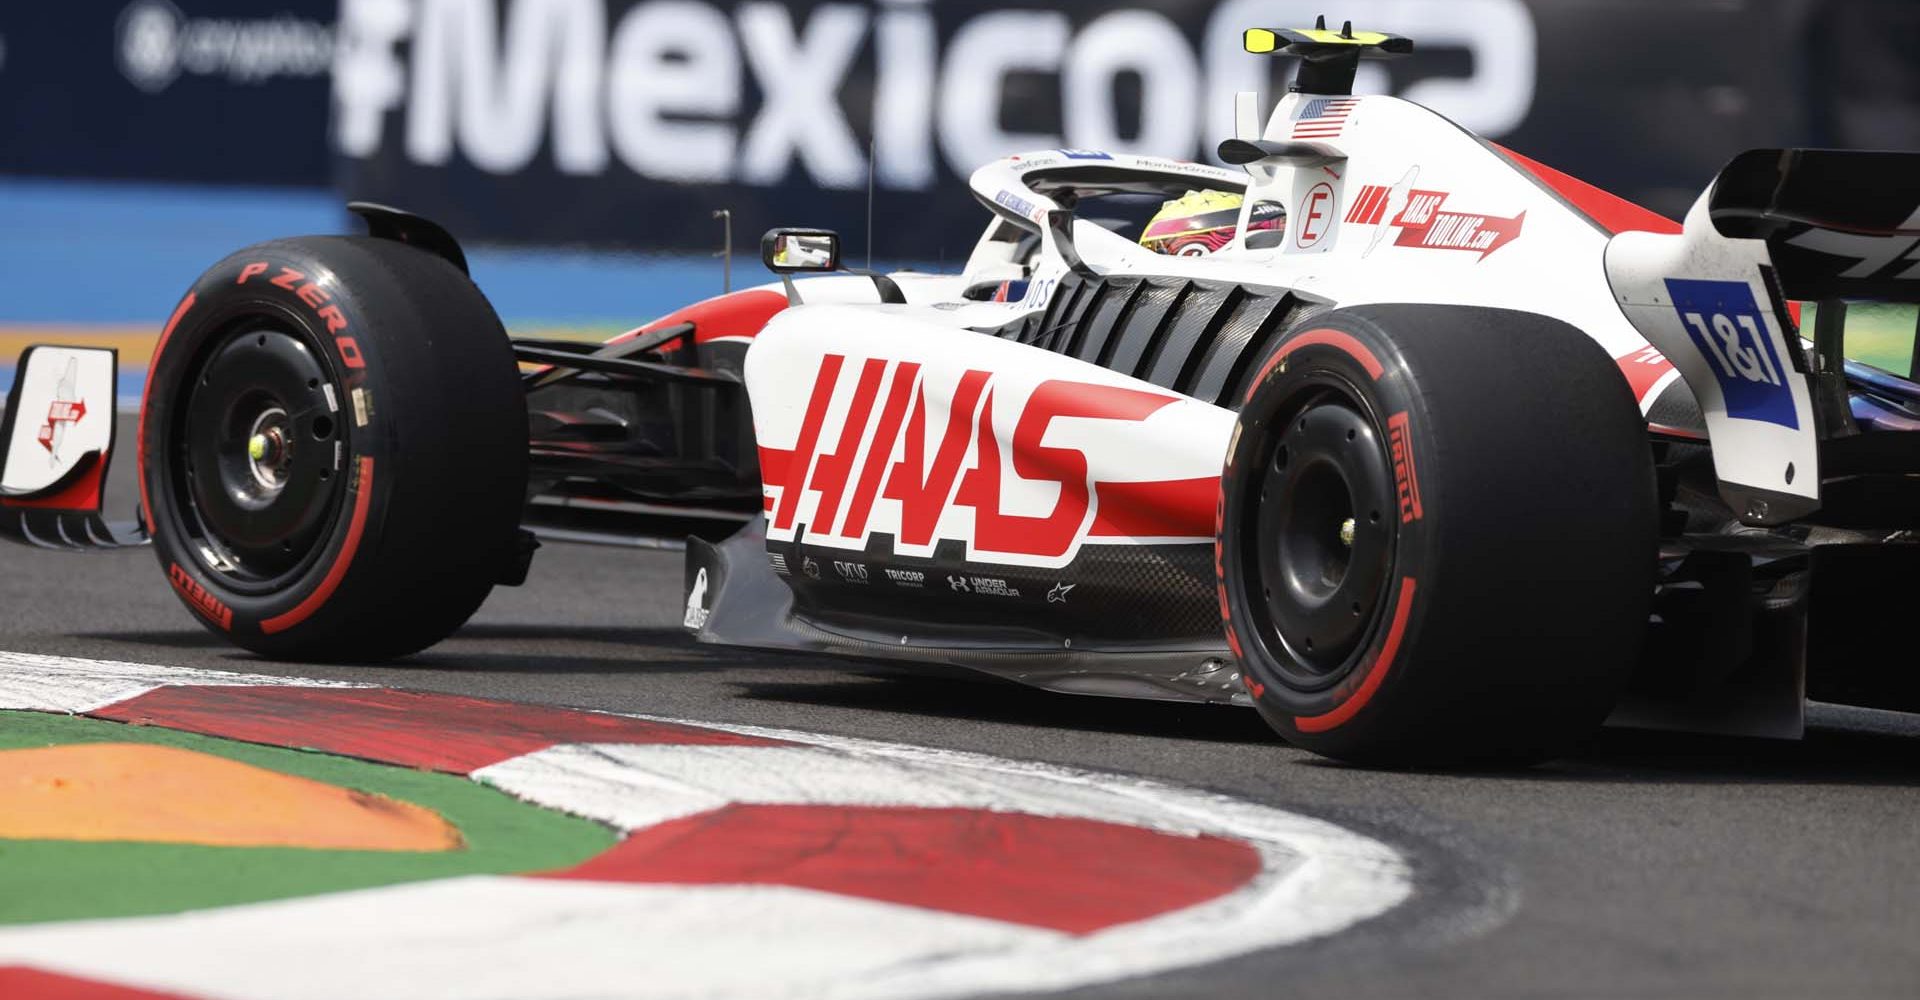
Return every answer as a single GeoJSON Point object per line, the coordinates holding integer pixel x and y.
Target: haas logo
{"type": "Point", "coordinates": [65, 410]}
{"type": "Point", "coordinates": [939, 469]}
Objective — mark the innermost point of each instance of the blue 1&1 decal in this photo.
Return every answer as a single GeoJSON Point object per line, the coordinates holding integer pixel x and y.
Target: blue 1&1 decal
{"type": "Point", "coordinates": [1726, 324]}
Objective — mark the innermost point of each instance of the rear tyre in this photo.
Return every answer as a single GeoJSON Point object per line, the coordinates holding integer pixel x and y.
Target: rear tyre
{"type": "Point", "coordinates": [1438, 536]}
{"type": "Point", "coordinates": [333, 449]}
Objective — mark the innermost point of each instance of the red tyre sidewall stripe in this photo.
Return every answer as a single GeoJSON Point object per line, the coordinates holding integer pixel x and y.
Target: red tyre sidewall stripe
{"type": "Point", "coordinates": [1323, 337]}
{"type": "Point", "coordinates": [1376, 672]}
{"type": "Point", "coordinates": [146, 400]}
{"type": "Point", "coordinates": [363, 499]}
{"type": "Point", "coordinates": [1350, 345]}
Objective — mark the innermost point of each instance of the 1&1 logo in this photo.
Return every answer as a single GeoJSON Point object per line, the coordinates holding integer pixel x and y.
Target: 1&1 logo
{"type": "Point", "coordinates": [1725, 323]}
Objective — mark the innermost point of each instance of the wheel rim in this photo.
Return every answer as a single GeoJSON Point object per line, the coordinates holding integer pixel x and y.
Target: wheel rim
{"type": "Point", "coordinates": [256, 457]}
{"type": "Point", "coordinates": [1323, 532]}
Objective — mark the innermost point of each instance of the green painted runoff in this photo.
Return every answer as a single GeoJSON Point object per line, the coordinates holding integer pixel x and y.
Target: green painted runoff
{"type": "Point", "coordinates": [64, 880]}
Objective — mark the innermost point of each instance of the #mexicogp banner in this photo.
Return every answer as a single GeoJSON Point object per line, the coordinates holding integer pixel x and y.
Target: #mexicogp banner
{"type": "Point", "coordinates": [624, 123]}
{"type": "Point", "coordinates": [627, 122]}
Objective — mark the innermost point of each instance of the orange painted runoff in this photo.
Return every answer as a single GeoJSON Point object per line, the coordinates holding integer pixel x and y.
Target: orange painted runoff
{"type": "Point", "coordinates": [140, 792]}
{"type": "Point", "coordinates": [135, 343]}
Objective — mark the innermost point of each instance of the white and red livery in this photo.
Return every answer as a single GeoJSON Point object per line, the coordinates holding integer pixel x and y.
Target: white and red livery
{"type": "Point", "coordinates": [1463, 457]}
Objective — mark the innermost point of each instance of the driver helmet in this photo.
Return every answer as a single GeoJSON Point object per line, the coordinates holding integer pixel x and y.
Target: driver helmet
{"type": "Point", "coordinates": [1199, 222]}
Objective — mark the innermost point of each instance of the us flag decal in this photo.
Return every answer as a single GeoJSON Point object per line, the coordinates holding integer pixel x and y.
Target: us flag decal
{"type": "Point", "coordinates": [1324, 117]}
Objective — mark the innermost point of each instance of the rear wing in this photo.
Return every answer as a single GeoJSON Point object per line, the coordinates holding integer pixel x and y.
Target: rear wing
{"type": "Point", "coordinates": [1775, 226]}
{"type": "Point", "coordinates": [1838, 224]}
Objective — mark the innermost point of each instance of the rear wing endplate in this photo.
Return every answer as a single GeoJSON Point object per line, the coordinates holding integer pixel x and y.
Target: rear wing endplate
{"type": "Point", "coordinates": [1776, 226]}
{"type": "Point", "coordinates": [1712, 305]}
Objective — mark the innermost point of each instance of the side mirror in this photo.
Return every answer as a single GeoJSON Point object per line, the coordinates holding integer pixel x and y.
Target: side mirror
{"type": "Point", "coordinates": [800, 251]}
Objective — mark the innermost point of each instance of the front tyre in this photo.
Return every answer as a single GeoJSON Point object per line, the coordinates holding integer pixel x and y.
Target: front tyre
{"type": "Point", "coordinates": [333, 449]}
{"type": "Point", "coordinates": [1438, 535]}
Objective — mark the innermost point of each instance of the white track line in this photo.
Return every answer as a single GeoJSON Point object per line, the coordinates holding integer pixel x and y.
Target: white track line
{"type": "Point", "coordinates": [71, 684]}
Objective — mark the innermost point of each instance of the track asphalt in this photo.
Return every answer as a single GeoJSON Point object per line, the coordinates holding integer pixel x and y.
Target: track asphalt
{"type": "Point", "coordinates": [1648, 865]}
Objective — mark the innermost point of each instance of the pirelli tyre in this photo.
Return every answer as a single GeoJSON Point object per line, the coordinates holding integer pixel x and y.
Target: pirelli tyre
{"type": "Point", "coordinates": [1437, 535]}
{"type": "Point", "coordinates": [333, 449]}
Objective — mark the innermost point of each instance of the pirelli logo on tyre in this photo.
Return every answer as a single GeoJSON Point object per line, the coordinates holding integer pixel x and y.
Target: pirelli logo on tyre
{"type": "Point", "coordinates": [1406, 481]}
{"type": "Point", "coordinates": [197, 596]}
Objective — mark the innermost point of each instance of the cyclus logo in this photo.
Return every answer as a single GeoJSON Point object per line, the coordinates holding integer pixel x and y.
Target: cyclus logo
{"type": "Point", "coordinates": [155, 43]}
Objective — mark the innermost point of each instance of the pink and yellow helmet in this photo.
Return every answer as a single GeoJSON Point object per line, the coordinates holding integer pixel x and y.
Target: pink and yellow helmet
{"type": "Point", "coordinates": [1200, 222]}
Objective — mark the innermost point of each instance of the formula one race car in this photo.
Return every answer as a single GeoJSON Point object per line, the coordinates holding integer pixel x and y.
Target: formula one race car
{"type": "Point", "coordinates": [1438, 455]}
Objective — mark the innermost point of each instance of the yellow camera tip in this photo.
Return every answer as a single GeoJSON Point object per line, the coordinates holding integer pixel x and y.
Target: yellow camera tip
{"type": "Point", "coordinates": [1260, 40]}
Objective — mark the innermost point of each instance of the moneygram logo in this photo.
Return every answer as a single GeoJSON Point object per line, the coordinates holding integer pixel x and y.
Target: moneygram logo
{"type": "Point", "coordinates": [155, 44]}
{"type": "Point", "coordinates": [753, 92]}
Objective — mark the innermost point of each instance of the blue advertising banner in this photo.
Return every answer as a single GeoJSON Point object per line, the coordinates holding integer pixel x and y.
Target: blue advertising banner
{"type": "Point", "coordinates": [222, 91]}
{"type": "Point", "coordinates": [619, 122]}
{"type": "Point", "coordinates": [628, 122]}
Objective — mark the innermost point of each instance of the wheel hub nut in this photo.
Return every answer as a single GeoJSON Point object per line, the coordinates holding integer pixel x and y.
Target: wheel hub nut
{"type": "Point", "coordinates": [267, 451]}
{"type": "Point", "coordinates": [1346, 532]}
